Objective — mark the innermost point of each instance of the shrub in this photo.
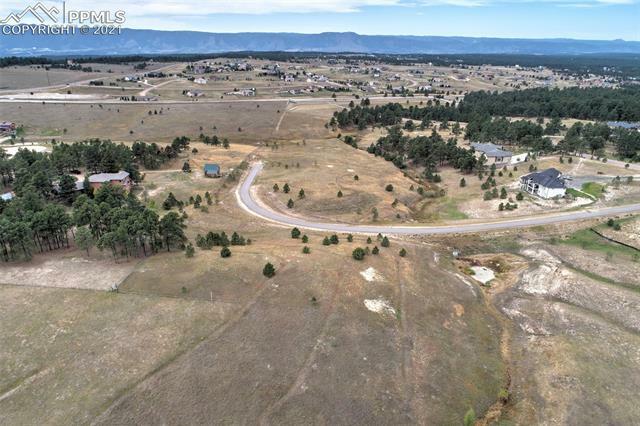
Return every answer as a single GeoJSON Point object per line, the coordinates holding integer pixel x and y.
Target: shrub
{"type": "Point", "coordinates": [301, 193]}
{"type": "Point", "coordinates": [385, 242]}
{"type": "Point", "coordinates": [189, 251]}
{"type": "Point", "coordinates": [469, 418]}
{"type": "Point", "coordinates": [368, 240]}
{"type": "Point", "coordinates": [334, 239]}
{"type": "Point", "coordinates": [326, 241]}
{"type": "Point", "coordinates": [290, 203]}
{"type": "Point", "coordinates": [350, 238]}
{"type": "Point", "coordinates": [225, 252]}
{"type": "Point", "coordinates": [358, 253]}
{"type": "Point", "coordinates": [356, 177]}
{"type": "Point", "coordinates": [286, 188]}
{"type": "Point", "coordinates": [276, 188]}
{"type": "Point", "coordinates": [295, 233]}
{"type": "Point", "coordinates": [306, 250]}
{"type": "Point", "coordinates": [375, 250]}
{"type": "Point", "coordinates": [339, 194]}
{"type": "Point", "coordinates": [305, 239]}
{"type": "Point", "coordinates": [269, 270]}
{"type": "Point", "coordinates": [403, 252]}
{"type": "Point", "coordinates": [519, 196]}
{"type": "Point", "coordinates": [463, 183]}
{"type": "Point", "coordinates": [389, 188]}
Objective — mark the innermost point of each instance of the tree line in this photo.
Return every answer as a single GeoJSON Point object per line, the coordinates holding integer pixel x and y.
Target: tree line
{"type": "Point", "coordinates": [112, 220]}
{"type": "Point", "coordinates": [428, 151]}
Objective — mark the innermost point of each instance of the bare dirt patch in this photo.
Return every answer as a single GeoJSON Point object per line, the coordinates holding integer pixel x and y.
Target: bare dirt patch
{"type": "Point", "coordinates": [67, 272]}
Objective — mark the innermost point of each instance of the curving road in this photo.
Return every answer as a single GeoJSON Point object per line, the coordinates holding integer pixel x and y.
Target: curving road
{"type": "Point", "coordinates": [249, 202]}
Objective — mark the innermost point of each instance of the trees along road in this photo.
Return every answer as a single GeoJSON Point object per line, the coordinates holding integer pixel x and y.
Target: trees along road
{"type": "Point", "coordinates": [249, 202]}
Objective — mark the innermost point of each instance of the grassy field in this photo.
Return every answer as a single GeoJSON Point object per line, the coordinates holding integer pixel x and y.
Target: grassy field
{"type": "Point", "coordinates": [65, 354]}
{"type": "Point", "coordinates": [589, 240]}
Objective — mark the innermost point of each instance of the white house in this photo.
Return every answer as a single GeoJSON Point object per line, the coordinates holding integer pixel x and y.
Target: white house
{"type": "Point", "coordinates": [200, 80]}
{"type": "Point", "coordinates": [548, 183]}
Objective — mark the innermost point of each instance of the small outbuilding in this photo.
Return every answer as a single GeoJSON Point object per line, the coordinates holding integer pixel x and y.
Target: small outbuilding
{"type": "Point", "coordinates": [212, 170]}
{"type": "Point", "coordinates": [548, 183]}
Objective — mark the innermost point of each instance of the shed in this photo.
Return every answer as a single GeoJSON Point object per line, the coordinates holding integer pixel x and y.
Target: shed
{"type": "Point", "coordinates": [212, 170]}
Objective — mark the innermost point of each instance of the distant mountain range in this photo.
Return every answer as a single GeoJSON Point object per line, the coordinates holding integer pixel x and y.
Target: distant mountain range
{"type": "Point", "coordinates": [132, 41]}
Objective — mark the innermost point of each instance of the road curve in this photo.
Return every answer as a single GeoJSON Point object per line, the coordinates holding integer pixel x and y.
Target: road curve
{"type": "Point", "coordinates": [247, 201]}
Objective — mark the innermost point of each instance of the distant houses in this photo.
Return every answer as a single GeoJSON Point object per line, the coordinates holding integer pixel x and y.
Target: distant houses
{"type": "Point", "coordinates": [121, 178]}
{"type": "Point", "coordinates": [546, 184]}
{"type": "Point", "coordinates": [251, 91]}
{"type": "Point", "coordinates": [494, 153]}
{"type": "Point", "coordinates": [624, 125]}
{"type": "Point", "coordinates": [212, 170]}
{"type": "Point", "coordinates": [200, 80]}
{"type": "Point", "coordinates": [194, 93]}
{"type": "Point", "coordinates": [7, 127]}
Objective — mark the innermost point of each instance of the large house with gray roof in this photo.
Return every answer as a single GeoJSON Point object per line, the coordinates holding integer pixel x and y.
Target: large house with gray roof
{"type": "Point", "coordinates": [548, 183]}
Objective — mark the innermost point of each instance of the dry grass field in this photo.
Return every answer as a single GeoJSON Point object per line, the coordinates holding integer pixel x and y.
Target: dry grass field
{"type": "Point", "coordinates": [329, 339]}
{"type": "Point", "coordinates": [66, 354]}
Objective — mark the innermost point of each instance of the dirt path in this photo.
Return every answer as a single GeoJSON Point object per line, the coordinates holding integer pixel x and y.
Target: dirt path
{"type": "Point", "coordinates": [405, 344]}
{"type": "Point", "coordinates": [217, 332]}
{"type": "Point", "coordinates": [152, 87]}
{"type": "Point", "coordinates": [263, 420]}
{"type": "Point", "coordinates": [284, 112]}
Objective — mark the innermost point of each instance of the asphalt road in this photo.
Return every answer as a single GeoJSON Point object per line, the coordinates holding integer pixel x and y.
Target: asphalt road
{"type": "Point", "coordinates": [252, 205]}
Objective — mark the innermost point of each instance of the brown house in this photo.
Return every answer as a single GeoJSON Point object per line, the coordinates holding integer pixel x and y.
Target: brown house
{"type": "Point", "coordinates": [121, 178]}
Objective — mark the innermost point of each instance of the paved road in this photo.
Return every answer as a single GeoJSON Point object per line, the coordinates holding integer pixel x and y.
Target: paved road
{"type": "Point", "coordinates": [250, 203]}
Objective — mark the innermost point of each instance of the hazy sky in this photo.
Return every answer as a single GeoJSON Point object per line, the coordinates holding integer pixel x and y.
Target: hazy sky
{"type": "Point", "coordinates": [584, 19]}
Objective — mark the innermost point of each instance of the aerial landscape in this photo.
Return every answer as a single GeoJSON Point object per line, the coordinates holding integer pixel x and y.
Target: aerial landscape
{"type": "Point", "coordinates": [274, 213]}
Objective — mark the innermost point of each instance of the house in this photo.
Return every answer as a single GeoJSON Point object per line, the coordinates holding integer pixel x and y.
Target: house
{"type": "Point", "coordinates": [624, 125]}
{"type": "Point", "coordinates": [194, 93]}
{"type": "Point", "coordinates": [7, 126]}
{"type": "Point", "coordinates": [212, 170]}
{"type": "Point", "coordinates": [121, 178]}
{"type": "Point", "coordinates": [200, 80]}
{"type": "Point", "coordinates": [7, 196]}
{"type": "Point", "coordinates": [548, 183]}
{"type": "Point", "coordinates": [494, 153]}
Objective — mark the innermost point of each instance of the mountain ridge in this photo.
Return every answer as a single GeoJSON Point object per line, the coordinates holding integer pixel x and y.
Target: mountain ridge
{"type": "Point", "coordinates": [136, 41]}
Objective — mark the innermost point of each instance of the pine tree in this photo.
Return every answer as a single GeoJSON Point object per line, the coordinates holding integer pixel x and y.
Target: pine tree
{"type": "Point", "coordinates": [290, 203]}
{"type": "Point", "coordinates": [385, 242]}
{"type": "Point", "coordinates": [269, 270]}
{"type": "Point", "coordinates": [295, 233]}
{"type": "Point", "coordinates": [225, 252]}
{"type": "Point", "coordinates": [358, 253]}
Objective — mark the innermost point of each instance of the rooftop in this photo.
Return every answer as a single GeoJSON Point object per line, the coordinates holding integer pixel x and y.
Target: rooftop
{"type": "Point", "coordinates": [108, 177]}
{"type": "Point", "coordinates": [549, 178]}
{"type": "Point", "coordinates": [491, 150]}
